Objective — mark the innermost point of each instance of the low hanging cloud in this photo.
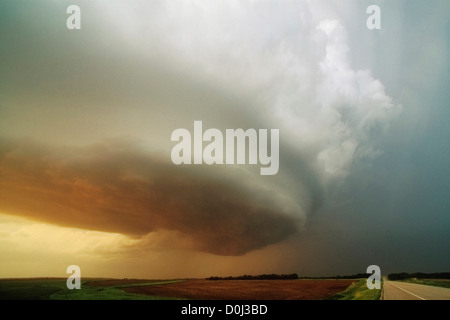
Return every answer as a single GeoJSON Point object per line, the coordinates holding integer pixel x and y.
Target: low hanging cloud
{"type": "Point", "coordinates": [114, 187]}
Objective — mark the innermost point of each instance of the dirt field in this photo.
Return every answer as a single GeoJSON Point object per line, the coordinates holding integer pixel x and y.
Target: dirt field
{"type": "Point", "coordinates": [246, 289]}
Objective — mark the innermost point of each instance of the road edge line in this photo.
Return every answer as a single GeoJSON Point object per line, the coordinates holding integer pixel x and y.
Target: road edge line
{"type": "Point", "coordinates": [415, 295]}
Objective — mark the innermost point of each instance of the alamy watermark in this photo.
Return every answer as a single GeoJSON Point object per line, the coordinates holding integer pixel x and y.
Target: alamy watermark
{"type": "Point", "coordinates": [374, 281]}
{"type": "Point", "coordinates": [74, 280]}
{"type": "Point", "coordinates": [73, 21]}
{"type": "Point", "coordinates": [374, 20]}
{"type": "Point", "coordinates": [229, 148]}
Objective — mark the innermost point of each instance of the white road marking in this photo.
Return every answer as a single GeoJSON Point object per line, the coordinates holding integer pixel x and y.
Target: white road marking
{"type": "Point", "coordinates": [415, 295]}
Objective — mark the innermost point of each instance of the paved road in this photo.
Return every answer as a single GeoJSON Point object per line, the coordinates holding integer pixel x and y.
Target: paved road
{"type": "Point", "coordinates": [394, 290]}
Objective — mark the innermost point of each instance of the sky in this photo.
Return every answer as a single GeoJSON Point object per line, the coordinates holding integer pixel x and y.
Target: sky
{"type": "Point", "coordinates": [86, 118]}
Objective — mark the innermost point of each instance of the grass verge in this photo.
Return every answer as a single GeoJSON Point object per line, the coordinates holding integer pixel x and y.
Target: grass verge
{"type": "Point", "coordinates": [430, 282]}
{"type": "Point", "coordinates": [358, 291]}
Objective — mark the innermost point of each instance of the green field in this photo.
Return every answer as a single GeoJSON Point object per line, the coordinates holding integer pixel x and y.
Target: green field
{"type": "Point", "coordinates": [358, 291]}
{"type": "Point", "coordinates": [56, 289]}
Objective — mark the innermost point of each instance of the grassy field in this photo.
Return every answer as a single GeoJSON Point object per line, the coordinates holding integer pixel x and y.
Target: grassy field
{"type": "Point", "coordinates": [55, 289]}
{"type": "Point", "coordinates": [358, 291]}
{"type": "Point", "coordinates": [131, 289]}
{"type": "Point", "coordinates": [430, 282]}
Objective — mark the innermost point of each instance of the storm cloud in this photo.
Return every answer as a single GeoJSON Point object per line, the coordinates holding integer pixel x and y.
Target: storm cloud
{"type": "Point", "coordinates": [163, 67]}
{"type": "Point", "coordinates": [114, 187]}
{"type": "Point", "coordinates": [86, 118]}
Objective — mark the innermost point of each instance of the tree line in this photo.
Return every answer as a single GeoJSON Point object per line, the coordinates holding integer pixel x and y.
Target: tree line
{"type": "Point", "coordinates": [292, 276]}
{"type": "Point", "coordinates": [419, 275]}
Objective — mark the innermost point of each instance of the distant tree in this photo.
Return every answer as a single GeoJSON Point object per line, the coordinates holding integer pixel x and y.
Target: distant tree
{"type": "Point", "coordinates": [292, 276]}
{"type": "Point", "coordinates": [418, 275]}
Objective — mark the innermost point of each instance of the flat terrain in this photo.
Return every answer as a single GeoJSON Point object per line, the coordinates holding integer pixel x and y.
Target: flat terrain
{"type": "Point", "coordinates": [246, 289]}
{"type": "Point", "coordinates": [137, 289]}
{"type": "Point", "coordinates": [445, 283]}
{"type": "Point", "coordinates": [56, 289]}
{"type": "Point", "coordinates": [395, 290]}
{"type": "Point", "coordinates": [121, 282]}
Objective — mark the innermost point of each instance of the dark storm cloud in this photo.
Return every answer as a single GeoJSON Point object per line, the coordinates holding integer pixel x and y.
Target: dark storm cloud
{"type": "Point", "coordinates": [114, 187]}
{"type": "Point", "coordinates": [142, 69]}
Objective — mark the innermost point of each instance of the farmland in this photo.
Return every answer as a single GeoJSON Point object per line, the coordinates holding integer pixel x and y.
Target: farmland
{"type": "Point", "coordinates": [55, 289]}
{"type": "Point", "coordinates": [133, 289]}
{"type": "Point", "coordinates": [246, 290]}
